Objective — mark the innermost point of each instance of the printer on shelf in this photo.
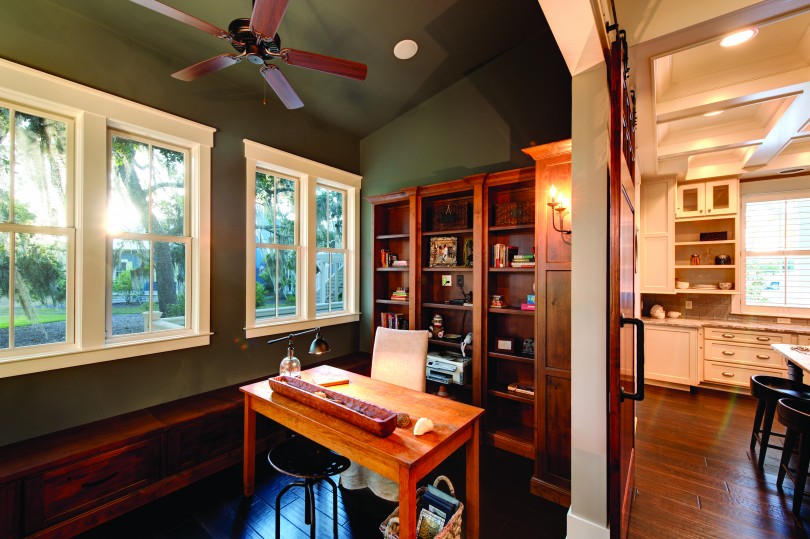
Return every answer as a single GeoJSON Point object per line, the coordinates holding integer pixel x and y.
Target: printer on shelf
{"type": "Point", "coordinates": [448, 367]}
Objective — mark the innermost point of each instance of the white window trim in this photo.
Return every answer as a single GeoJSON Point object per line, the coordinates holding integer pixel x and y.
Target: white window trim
{"type": "Point", "coordinates": [741, 307]}
{"type": "Point", "coordinates": [93, 113]}
{"type": "Point", "coordinates": [310, 174]}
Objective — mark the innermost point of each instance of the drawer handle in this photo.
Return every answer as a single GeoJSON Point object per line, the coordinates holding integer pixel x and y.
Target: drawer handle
{"type": "Point", "coordinates": [728, 374]}
{"type": "Point", "coordinates": [763, 339]}
{"type": "Point", "coordinates": [99, 482]}
{"type": "Point", "coordinates": [763, 356]}
{"type": "Point", "coordinates": [727, 353]}
{"type": "Point", "coordinates": [728, 335]}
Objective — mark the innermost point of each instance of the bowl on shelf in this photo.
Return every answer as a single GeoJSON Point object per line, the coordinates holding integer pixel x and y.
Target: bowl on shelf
{"type": "Point", "coordinates": [673, 314]}
{"type": "Point", "coordinates": [724, 286]}
{"type": "Point", "coordinates": [682, 284]}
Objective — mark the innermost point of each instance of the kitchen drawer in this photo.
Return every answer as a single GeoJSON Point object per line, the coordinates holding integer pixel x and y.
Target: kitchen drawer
{"type": "Point", "coordinates": [729, 352]}
{"type": "Point", "coordinates": [755, 337]}
{"type": "Point", "coordinates": [196, 442]}
{"type": "Point", "coordinates": [735, 375]}
{"type": "Point", "coordinates": [60, 493]}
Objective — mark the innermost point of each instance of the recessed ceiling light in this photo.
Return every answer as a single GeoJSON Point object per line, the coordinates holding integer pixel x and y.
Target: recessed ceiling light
{"type": "Point", "coordinates": [714, 113]}
{"type": "Point", "coordinates": [405, 49]}
{"type": "Point", "coordinates": [737, 38]}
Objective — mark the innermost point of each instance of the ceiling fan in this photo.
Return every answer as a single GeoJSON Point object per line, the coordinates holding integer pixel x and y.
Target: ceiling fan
{"type": "Point", "coordinates": [256, 41]}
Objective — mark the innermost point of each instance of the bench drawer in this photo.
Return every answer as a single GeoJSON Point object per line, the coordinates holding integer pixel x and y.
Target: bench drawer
{"type": "Point", "coordinates": [60, 493]}
{"type": "Point", "coordinates": [199, 441]}
{"type": "Point", "coordinates": [735, 375]}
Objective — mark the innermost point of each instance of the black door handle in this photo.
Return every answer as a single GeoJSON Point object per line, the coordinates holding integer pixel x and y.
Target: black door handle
{"type": "Point", "coordinates": [639, 395]}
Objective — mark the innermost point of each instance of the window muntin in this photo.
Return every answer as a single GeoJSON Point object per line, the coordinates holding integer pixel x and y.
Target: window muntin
{"type": "Point", "coordinates": [36, 237]}
{"type": "Point", "coordinates": [777, 252]}
{"type": "Point", "coordinates": [149, 240]}
{"type": "Point", "coordinates": [277, 249]}
{"type": "Point", "coordinates": [331, 256]}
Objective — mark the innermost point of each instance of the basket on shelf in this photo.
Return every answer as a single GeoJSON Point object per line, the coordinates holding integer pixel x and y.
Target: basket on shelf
{"type": "Point", "coordinates": [451, 529]}
{"type": "Point", "coordinates": [713, 236]}
{"type": "Point", "coordinates": [452, 216]}
{"type": "Point", "coordinates": [514, 213]}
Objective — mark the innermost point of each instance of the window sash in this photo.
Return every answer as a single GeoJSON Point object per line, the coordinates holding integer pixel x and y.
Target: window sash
{"type": "Point", "coordinates": [769, 285]}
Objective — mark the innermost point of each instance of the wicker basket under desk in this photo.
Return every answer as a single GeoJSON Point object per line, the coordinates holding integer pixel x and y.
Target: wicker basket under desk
{"type": "Point", "coordinates": [451, 530]}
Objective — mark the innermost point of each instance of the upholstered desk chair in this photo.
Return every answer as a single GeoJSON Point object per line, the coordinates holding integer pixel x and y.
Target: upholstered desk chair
{"type": "Point", "coordinates": [399, 357]}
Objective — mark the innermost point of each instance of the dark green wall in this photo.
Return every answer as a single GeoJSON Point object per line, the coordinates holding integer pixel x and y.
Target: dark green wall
{"type": "Point", "coordinates": [480, 124]}
{"type": "Point", "coordinates": [43, 36]}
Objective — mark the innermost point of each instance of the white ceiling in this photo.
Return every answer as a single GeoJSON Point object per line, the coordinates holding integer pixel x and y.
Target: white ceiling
{"type": "Point", "coordinates": [761, 87]}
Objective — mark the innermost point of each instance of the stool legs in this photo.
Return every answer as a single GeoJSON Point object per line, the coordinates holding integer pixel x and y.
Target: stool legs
{"type": "Point", "coordinates": [770, 411]}
{"type": "Point", "coordinates": [787, 452]}
{"type": "Point", "coordinates": [801, 473]}
{"type": "Point", "coordinates": [334, 505]}
{"type": "Point", "coordinates": [757, 423]}
{"type": "Point", "coordinates": [309, 505]}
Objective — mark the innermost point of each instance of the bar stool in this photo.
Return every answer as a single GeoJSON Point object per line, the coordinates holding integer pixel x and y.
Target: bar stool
{"type": "Point", "coordinates": [303, 458]}
{"type": "Point", "coordinates": [768, 390]}
{"type": "Point", "coordinates": [795, 415]}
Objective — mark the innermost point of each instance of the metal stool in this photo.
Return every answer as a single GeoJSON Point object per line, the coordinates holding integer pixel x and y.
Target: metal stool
{"type": "Point", "coordinates": [795, 415]}
{"type": "Point", "coordinates": [301, 457]}
{"type": "Point", "coordinates": [768, 390]}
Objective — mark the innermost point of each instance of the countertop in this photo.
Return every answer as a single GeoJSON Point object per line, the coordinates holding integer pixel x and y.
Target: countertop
{"type": "Point", "coordinates": [727, 324]}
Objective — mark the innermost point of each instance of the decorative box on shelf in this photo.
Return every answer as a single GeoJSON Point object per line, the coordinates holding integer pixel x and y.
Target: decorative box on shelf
{"type": "Point", "coordinates": [514, 213]}
{"type": "Point", "coordinates": [452, 216]}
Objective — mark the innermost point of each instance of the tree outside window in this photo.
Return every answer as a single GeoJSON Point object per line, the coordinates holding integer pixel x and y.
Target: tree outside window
{"type": "Point", "coordinates": [330, 262]}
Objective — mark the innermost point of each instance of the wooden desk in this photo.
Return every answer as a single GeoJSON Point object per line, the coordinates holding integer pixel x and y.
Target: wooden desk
{"type": "Point", "coordinates": [401, 457]}
{"type": "Point", "coordinates": [794, 359]}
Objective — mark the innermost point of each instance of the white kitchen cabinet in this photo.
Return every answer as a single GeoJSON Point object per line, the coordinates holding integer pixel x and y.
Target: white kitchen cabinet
{"type": "Point", "coordinates": [732, 356]}
{"type": "Point", "coordinates": [656, 248]}
{"type": "Point", "coordinates": [707, 198]}
{"type": "Point", "coordinates": [671, 354]}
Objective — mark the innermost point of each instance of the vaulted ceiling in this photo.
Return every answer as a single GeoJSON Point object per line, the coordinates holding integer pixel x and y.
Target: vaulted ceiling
{"type": "Point", "coordinates": [455, 37]}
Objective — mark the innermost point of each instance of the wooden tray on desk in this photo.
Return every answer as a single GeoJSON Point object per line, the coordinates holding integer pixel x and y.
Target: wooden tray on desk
{"type": "Point", "coordinates": [375, 419]}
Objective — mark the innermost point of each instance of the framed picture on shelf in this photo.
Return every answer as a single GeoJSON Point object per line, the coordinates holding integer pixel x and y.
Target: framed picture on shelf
{"type": "Point", "coordinates": [443, 251]}
{"type": "Point", "coordinates": [505, 344]}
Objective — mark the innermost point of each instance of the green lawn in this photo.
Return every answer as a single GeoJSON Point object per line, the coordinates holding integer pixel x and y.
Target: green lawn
{"type": "Point", "coordinates": [55, 315]}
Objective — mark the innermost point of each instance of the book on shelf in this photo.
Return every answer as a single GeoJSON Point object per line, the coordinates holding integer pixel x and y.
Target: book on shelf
{"type": "Point", "coordinates": [523, 264]}
{"type": "Point", "coordinates": [523, 258]}
{"type": "Point", "coordinates": [502, 254]}
{"type": "Point", "coordinates": [525, 389]}
{"type": "Point", "coordinates": [527, 307]}
{"type": "Point", "coordinates": [393, 321]}
{"type": "Point", "coordinates": [399, 264]}
{"type": "Point", "coordinates": [400, 294]}
{"type": "Point", "coordinates": [387, 258]}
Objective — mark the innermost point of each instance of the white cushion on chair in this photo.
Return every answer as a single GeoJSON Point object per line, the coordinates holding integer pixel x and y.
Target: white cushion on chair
{"type": "Point", "coordinates": [399, 357]}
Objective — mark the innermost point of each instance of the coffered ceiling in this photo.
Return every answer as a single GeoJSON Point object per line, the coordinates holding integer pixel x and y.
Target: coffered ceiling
{"type": "Point", "coordinates": [711, 111]}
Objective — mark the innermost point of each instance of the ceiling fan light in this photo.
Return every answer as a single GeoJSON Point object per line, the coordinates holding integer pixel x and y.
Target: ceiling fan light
{"type": "Point", "coordinates": [737, 38]}
{"type": "Point", "coordinates": [405, 49]}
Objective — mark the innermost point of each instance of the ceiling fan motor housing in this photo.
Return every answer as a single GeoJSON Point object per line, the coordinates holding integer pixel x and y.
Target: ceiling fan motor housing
{"type": "Point", "coordinates": [245, 41]}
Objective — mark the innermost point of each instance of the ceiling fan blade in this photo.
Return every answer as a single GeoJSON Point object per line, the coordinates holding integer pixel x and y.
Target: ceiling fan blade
{"type": "Point", "coordinates": [278, 82]}
{"type": "Point", "coordinates": [178, 15]}
{"type": "Point", "coordinates": [266, 16]}
{"type": "Point", "coordinates": [319, 62]}
{"type": "Point", "coordinates": [207, 66]}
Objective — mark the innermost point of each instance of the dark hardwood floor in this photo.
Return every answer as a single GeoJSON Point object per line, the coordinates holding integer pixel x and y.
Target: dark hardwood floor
{"type": "Point", "coordinates": [695, 478]}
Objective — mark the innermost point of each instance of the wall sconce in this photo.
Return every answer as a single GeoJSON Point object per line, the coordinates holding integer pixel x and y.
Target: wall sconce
{"type": "Point", "coordinates": [290, 365]}
{"type": "Point", "coordinates": [559, 204]}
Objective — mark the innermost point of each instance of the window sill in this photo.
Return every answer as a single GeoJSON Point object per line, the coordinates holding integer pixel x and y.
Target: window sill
{"type": "Point", "coordinates": [72, 356]}
{"type": "Point", "coordinates": [290, 326]}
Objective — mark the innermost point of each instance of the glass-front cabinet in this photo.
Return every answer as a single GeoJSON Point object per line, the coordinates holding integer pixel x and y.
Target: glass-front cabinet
{"type": "Point", "coordinates": [705, 198]}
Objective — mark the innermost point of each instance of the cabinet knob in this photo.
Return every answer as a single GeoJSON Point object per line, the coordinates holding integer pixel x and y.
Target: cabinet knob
{"type": "Point", "coordinates": [763, 356]}
{"type": "Point", "coordinates": [727, 353]}
{"type": "Point", "coordinates": [728, 374]}
{"type": "Point", "coordinates": [728, 335]}
{"type": "Point", "coordinates": [764, 339]}
{"type": "Point", "coordinates": [709, 210]}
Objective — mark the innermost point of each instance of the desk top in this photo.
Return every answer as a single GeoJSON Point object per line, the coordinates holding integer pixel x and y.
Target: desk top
{"type": "Point", "coordinates": [383, 455]}
{"type": "Point", "coordinates": [802, 359]}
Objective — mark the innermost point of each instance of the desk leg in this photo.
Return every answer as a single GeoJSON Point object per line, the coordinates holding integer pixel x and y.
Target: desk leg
{"type": "Point", "coordinates": [471, 503]}
{"type": "Point", "coordinates": [407, 503]}
{"type": "Point", "coordinates": [249, 467]}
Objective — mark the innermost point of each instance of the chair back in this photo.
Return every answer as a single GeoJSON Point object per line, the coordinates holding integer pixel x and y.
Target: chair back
{"type": "Point", "coordinates": [400, 357]}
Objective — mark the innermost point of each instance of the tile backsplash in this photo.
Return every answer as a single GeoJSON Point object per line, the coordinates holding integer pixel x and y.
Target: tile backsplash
{"type": "Point", "coordinates": [705, 307]}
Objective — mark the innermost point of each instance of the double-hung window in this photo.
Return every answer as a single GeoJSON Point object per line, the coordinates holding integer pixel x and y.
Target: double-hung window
{"type": "Point", "coordinates": [37, 237]}
{"type": "Point", "coordinates": [776, 253]}
{"type": "Point", "coordinates": [302, 237]}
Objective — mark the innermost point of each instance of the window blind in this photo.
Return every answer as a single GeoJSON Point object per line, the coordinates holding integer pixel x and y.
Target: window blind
{"type": "Point", "coordinates": [777, 253]}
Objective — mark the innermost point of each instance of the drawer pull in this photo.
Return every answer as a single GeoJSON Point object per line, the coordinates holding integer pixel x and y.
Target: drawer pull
{"type": "Point", "coordinates": [728, 374]}
{"type": "Point", "coordinates": [728, 335]}
{"type": "Point", "coordinates": [763, 339]}
{"type": "Point", "coordinates": [92, 484]}
{"type": "Point", "coordinates": [727, 353]}
{"type": "Point", "coordinates": [763, 356]}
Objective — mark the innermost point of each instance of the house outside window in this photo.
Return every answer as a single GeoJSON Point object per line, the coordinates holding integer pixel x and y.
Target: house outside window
{"type": "Point", "coordinates": [776, 253]}
{"type": "Point", "coordinates": [302, 243]}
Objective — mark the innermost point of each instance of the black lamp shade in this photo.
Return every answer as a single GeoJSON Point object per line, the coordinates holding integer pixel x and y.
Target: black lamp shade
{"type": "Point", "coordinates": [319, 345]}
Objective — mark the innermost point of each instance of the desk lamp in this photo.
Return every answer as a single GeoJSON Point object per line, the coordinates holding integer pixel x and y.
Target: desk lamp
{"type": "Point", "coordinates": [290, 365]}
